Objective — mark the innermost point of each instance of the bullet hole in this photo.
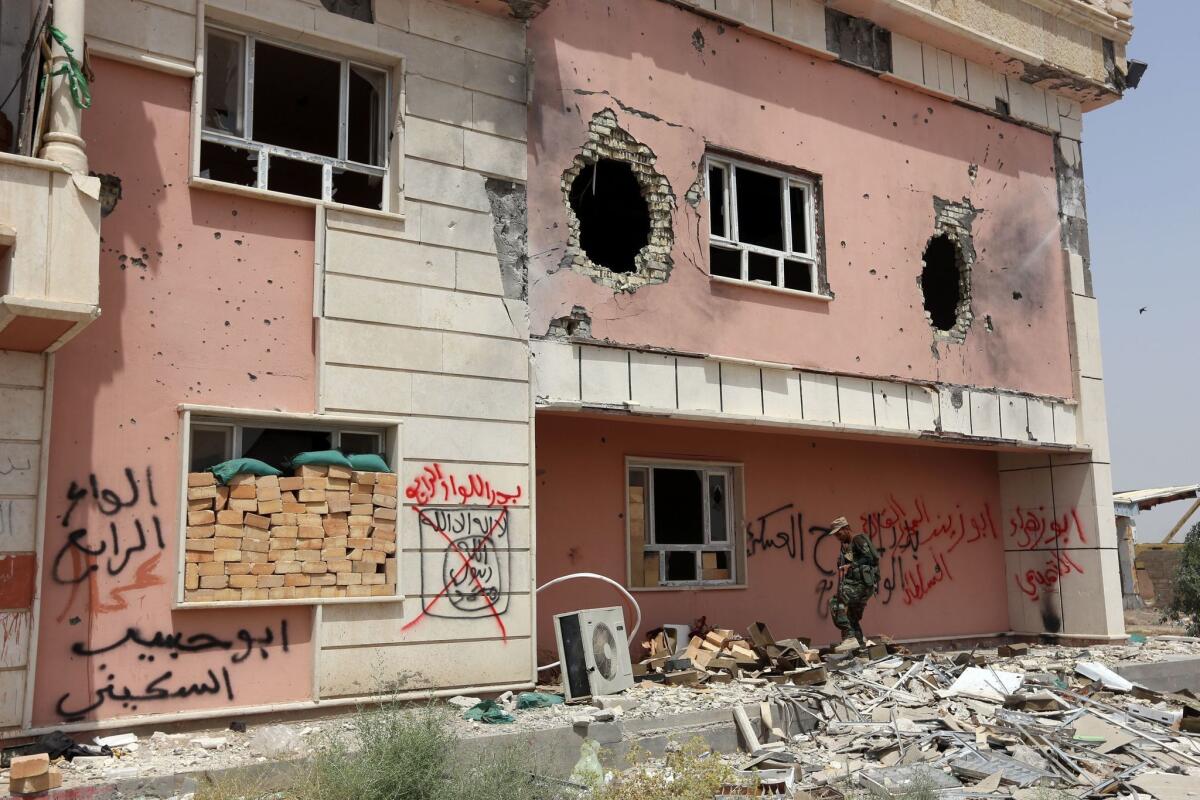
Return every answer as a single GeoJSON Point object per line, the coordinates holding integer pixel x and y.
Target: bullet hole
{"type": "Point", "coordinates": [216, 234]}
{"type": "Point", "coordinates": [252, 376]}
{"type": "Point", "coordinates": [1017, 295]}
{"type": "Point", "coordinates": [941, 282]}
{"type": "Point", "coordinates": [614, 222]}
{"type": "Point", "coordinates": [698, 41]}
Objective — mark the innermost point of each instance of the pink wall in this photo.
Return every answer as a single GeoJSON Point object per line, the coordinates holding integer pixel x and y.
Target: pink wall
{"type": "Point", "coordinates": [883, 152]}
{"type": "Point", "coordinates": [947, 499]}
{"type": "Point", "coordinates": [206, 298]}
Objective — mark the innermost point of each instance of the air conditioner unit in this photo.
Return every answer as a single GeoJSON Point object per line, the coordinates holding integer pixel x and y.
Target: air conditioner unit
{"type": "Point", "coordinates": [593, 651]}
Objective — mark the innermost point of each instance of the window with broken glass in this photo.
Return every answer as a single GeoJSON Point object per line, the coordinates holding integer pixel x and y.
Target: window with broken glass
{"type": "Point", "coordinates": [290, 120]}
{"type": "Point", "coordinates": [762, 226]}
{"type": "Point", "coordinates": [681, 524]}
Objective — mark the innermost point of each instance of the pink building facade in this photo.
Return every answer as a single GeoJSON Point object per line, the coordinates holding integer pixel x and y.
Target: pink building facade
{"type": "Point", "coordinates": [652, 290]}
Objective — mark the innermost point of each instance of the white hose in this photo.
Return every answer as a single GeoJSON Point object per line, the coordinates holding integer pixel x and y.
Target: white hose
{"type": "Point", "coordinates": [637, 610]}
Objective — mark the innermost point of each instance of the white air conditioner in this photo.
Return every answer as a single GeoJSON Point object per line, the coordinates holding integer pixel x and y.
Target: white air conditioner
{"type": "Point", "coordinates": [593, 651]}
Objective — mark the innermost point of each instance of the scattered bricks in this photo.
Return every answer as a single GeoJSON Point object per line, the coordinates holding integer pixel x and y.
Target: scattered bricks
{"type": "Point", "coordinates": [383, 501]}
{"type": "Point", "coordinates": [337, 485]}
{"type": "Point", "coordinates": [335, 541]}
{"type": "Point", "coordinates": [294, 506]}
{"type": "Point", "coordinates": [265, 568]}
{"type": "Point", "coordinates": [281, 594]}
{"type": "Point", "coordinates": [309, 532]}
{"type": "Point", "coordinates": [339, 565]}
{"type": "Point", "coordinates": [333, 553]}
{"type": "Point", "coordinates": [236, 567]}
{"type": "Point", "coordinates": [355, 555]}
{"type": "Point", "coordinates": [36, 784]}
{"type": "Point", "coordinates": [191, 576]}
{"type": "Point", "coordinates": [245, 491]}
{"type": "Point", "coordinates": [281, 555]}
{"type": "Point", "coordinates": [243, 505]}
{"type": "Point", "coordinates": [227, 555]}
{"type": "Point", "coordinates": [257, 521]}
{"type": "Point", "coordinates": [330, 591]}
{"type": "Point", "coordinates": [328, 579]}
{"type": "Point", "coordinates": [255, 594]}
{"type": "Point", "coordinates": [211, 568]}
{"type": "Point", "coordinates": [282, 544]}
{"type": "Point", "coordinates": [287, 567]}
{"type": "Point", "coordinates": [291, 484]}
{"type": "Point", "coordinates": [270, 506]}
{"type": "Point", "coordinates": [285, 531]}
{"type": "Point", "coordinates": [201, 531]}
{"type": "Point", "coordinates": [196, 479]}
{"type": "Point", "coordinates": [360, 532]}
{"type": "Point", "coordinates": [254, 557]}
{"type": "Point", "coordinates": [373, 579]}
{"type": "Point", "coordinates": [311, 520]}
{"type": "Point", "coordinates": [228, 594]}
{"type": "Point", "coordinates": [314, 567]}
{"type": "Point", "coordinates": [360, 520]}
{"type": "Point", "coordinates": [202, 492]}
{"type": "Point", "coordinates": [348, 578]}
{"type": "Point", "coordinates": [228, 517]}
{"type": "Point", "coordinates": [199, 545]}
{"type": "Point", "coordinates": [261, 534]}
{"type": "Point", "coordinates": [269, 481]}
{"type": "Point", "coordinates": [339, 502]}
{"type": "Point", "coordinates": [380, 533]}
{"type": "Point", "coordinates": [28, 766]}
{"type": "Point", "coordinates": [243, 479]}
{"type": "Point", "coordinates": [313, 471]}
{"type": "Point", "coordinates": [389, 571]}
{"type": "Point", "coordinates": [214, 581]}
{"type": "Point", "coordinates": [386, 547]}
{"type": "Point", "coordinates": [206, 517]}
{"type": "Point", "coordinates": [314, 484]}
{"type": "Point", "coordinates": [242, 582]}
{"type": "Point", "coordinates": [296, 579]}
{"type": "Point", "coordinates": [201, 596]}
{"type": "Point", "coordinates": [341, 473]}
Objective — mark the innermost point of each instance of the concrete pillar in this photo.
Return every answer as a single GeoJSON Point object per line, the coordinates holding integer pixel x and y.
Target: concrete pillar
{"type": "Point", "coordinates": [1126, 559]}
{"type": "Point", "coordinates": [62, 142]}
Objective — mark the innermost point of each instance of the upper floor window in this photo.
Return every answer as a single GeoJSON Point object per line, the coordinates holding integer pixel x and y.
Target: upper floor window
{"type": "Point", "coordinates": [216, 440]}
{"type": "Point", "coordinates": [286, 119]}
{"type": "Point", "coordinates": [762, 226]}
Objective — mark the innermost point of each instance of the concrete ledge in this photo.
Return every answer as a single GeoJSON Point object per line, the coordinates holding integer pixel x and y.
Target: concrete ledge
{"type": "Point", "coordinates": [1165, 676]}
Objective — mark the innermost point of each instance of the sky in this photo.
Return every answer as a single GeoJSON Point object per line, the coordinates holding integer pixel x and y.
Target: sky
{"type": "Point", "coordinates": [1141, 159]}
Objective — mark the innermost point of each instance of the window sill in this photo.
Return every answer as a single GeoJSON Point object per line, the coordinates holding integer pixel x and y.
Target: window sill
{"type": "Point", "coordinates": [762, 287]}
{"type": "Point", "coordinates": [291, 199]}
{"type": "Point", "coordinates": [687, 587]}
{"type": "Point", "coordinates": [306, 601]}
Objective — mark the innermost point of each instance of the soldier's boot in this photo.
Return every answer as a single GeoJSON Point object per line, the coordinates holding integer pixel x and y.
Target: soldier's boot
{"type": "Point", "coordinates": [848, 645]}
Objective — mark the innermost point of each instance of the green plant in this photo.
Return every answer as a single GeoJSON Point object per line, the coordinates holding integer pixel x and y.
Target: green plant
{"type": "Point", "coordinates": [1186, 604]}
{"type": "Point", "coordinates": [690, 773]}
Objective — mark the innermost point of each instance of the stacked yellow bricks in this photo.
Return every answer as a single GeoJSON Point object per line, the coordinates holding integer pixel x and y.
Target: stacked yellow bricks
{"type": "Point", "coordinates": [327, 532]}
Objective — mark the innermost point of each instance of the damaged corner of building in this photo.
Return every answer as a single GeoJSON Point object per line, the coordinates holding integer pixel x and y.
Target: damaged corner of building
{"type": "Point", "coordinates": [509, 205]}
{"type": "Point", "coordinates": [619, 210]}
{"type": "Point", "coordinates": [575, 325]}
{"type": "Point", "coordinates": [945, 279]}
{"type": "Point", "coordinates": [858, 41]}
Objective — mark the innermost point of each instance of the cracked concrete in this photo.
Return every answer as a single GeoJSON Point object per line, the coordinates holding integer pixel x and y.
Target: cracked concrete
{"type": "Point", "coordinates": [511, 231]}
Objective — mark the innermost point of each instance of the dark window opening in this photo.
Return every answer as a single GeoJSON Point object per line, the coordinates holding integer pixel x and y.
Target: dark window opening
{"type": "Point", "coordinates": [223, 58]}
{"type": "Point", "coordinates": [354, 9]}
{"type": "Point", "coordinates": [724, 262]}
{"type": "Point", "coordinates": [762, 268]}
{"type": "Point", "coordinates": [799, 212]}
{"type": "Point", "coordinates": [294, 177]}
{"type": "Point", "coordinates": [276, 446]}
{"type": "Point", "coordinates": [716, 205]}
{"type": "Point", "coordinates": [681, 566]}
{"type": "Point", "coordinates": [220, 162]}
{"type": "Point", "coordinates": [357, 189]}
{"type": "Point", "coordinates": [296, 100]}
{"type": "Point", "coordinates": [210, 446]}
{"type": "Point", "coordinates": [760, 209]}
{"type": "Point", "coordinates": [355, 444]}
{"type": "Point", "coordinates": [364, 135]}
{"type": "Point", "coordinates": [941, 282]}
{"type": "Point", "coordinates": [858, 41]}
{"type": "Point", "coordinates": [614, 220]}
{"type": "Point", "coordinates": [797, 275]}
{"type": "Point", "coordinates": [678, 506]}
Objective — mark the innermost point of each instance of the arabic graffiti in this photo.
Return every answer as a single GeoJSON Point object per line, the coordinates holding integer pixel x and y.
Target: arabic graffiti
{"type": "Point", "coordinates": [161, 687]}
{"type": "Point", "coordinates": [464, 555]}
{"type": "Point", "coordinates": [914, 545]}
{"type": "Point", "coordinates": [1035, 583]}
{"type": "Point", "coordinates": [1030, 530]}
{"type": "Point", "coordinates": [13, 466]}
{"type": "Point", "coordinates": [133, 528]}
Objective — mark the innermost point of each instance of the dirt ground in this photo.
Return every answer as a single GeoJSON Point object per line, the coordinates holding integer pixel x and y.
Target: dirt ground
{"type": "Point", "coordinates": [1149, 621]}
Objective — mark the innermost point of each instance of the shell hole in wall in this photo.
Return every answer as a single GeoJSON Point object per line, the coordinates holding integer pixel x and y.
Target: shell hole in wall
{"type": "Point", "coordinates": [614, 220]}
{"type": "Point", "coordinates": [941, 282]}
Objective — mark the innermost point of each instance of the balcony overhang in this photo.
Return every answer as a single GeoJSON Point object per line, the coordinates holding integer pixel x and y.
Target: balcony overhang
{"type": "Point", "coordinates": [30, 325]}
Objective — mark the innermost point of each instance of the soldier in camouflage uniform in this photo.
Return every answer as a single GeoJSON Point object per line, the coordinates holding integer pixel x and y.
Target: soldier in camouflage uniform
{"type": "Point", "coordinates": [858, 576]}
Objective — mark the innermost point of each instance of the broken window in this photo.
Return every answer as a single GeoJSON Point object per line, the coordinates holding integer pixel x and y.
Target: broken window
{"type": "Point", "coordinates": [614, 220]}
{"type": "Point", "coordinates": [680, 524]}
{"type": "Point", "coordinates": [282, 118]}
{"type": "Point", "coordinates": [213, 441]}
{"type": "Point", "coordinates": [354, 9]}
{"type": "Point", "coordinates": [761, 226]}
{"type": "Point", "coordinates": [941, 282]}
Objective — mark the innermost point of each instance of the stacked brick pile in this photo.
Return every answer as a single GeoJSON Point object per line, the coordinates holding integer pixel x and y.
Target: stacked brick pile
{"type": "Point", "coordinates": [326, 532]}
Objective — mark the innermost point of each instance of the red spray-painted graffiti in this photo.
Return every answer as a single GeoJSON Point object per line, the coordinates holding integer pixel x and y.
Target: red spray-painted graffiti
{"type": "Point", "coordinates": [463, 551]}
{"type": "Point", "coordinates": [1037, 582]}
{"type": "Point", "coordinates": [1029, 529]}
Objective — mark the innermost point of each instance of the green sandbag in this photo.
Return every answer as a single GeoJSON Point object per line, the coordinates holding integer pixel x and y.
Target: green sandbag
{"type": "Point", "coordinates": [321, 458]}
{"type": "Point", "coordinates": [241, 466]}
{"type": "Point", "coordinates": [488, 712]}
{"type": "Point", "coordinates": [537, 700]}
{"type": "Point", "coordinates": [368, 462]}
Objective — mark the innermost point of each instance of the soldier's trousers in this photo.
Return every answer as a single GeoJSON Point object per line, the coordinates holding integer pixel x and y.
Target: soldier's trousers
{"type": "Point", "coordinates": [846, 607]}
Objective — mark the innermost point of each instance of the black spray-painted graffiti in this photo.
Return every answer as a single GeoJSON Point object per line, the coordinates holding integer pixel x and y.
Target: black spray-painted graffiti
{"type": "Point", "coordinates": [162, 687]}
{"type": "Point", "coordinates": [477, 588]}
{"type": "Point", "coordinates": [900, 532]}
{"type": "Point", "coordinates": [80, 556]}
{"type": "Point", "coordinates": [13, 466]}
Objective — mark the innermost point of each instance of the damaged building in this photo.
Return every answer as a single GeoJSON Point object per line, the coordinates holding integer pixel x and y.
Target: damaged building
{"type": "Point", "coordinates": [652, 290]}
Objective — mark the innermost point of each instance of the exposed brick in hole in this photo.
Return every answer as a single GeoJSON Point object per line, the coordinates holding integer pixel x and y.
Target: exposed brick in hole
{"type": "Point", "coordinates": [652, 262]}
{"type": "Point", "coordinates": [576, 325]}
{"type": "Point", "coordinates": [948, 257]}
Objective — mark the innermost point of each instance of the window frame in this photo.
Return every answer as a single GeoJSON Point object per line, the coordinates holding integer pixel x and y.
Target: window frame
{"type": "Point", "coordinates": [236, 431]}
{"type": "Point", "coordinates": [389, 152]}
{"type": "Point", "coordinates": [191, 415]}
{"type": "Point", "coordinates": [728, 238]}
{"type": "Point", "coordinates": [735, 541]}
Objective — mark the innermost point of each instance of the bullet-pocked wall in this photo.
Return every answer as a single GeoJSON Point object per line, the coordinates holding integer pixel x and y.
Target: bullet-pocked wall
{"type": "Point", "coordinates": [935, 514]}
{"type": "Point", "coordinates": [884, 163]}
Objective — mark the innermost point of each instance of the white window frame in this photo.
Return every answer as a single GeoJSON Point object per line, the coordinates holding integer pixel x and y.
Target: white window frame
{"type": "Point", "coordinates": [191, 415]}
{"type": "Point", "coordinates": [389, 145]}
{"type": "Point", "coordinates": [728, 238]}
{"type": "Point", "coordinates": [735, 541]}
{"type": "Point", "coordinates": [236, 429]}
